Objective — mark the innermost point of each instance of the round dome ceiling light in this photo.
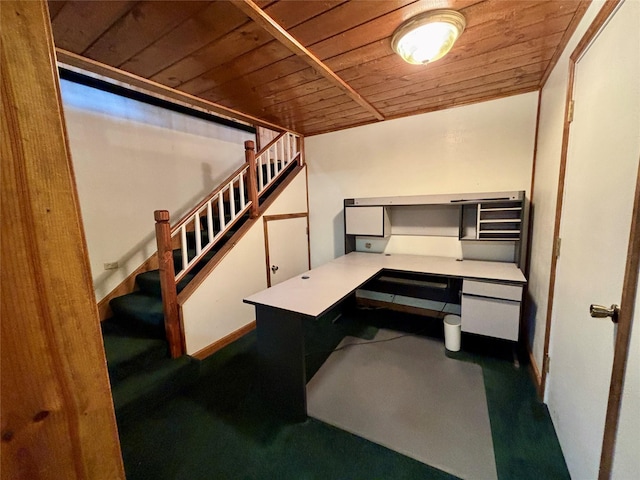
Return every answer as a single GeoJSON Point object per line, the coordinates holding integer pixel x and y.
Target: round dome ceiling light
{"type": "Point", "coordinates": [428, 36]}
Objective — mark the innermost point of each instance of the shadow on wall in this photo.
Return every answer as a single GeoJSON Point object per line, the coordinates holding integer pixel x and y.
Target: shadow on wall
{"type": "Point", "coordinates": [530, 306]}
{"type": "Point", "coordinates": [207, 177]}
{"type": "Point", "coordinates": [529, 317]}
{"type": "Point", "coordinates": [338, 235]}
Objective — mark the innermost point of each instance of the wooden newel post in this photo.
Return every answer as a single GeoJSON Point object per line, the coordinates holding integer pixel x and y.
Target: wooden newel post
{"type": "Point", "coordinates": [252, 183]}
{"type": "Point", "coordinates": [168, 283]}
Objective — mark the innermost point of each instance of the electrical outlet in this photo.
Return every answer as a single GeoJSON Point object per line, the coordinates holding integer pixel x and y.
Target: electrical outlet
{"type": "Point", "coordinates": [111, 265]}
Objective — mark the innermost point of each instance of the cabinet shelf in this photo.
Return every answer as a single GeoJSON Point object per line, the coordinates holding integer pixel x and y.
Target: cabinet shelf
{"type": "Point", "coordinates": [513, 209]}
{"type": "Point", "coordinates": [501, 220]}
{"type": "Point", "coordinates": [498, 221]}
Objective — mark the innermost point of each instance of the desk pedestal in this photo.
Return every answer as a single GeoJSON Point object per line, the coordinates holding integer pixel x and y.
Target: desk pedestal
{"type": "Point", "coordinates": [280, 339]}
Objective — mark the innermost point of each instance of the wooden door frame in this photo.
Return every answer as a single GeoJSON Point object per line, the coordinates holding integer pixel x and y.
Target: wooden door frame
{"type": "Point", "coordinates": [284, 216]}
{"type": "Point", "coordinates": [630, 282]}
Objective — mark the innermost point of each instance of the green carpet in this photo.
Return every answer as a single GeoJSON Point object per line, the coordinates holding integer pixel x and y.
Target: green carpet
{"type": "Point", "coordinates": [218, 428]}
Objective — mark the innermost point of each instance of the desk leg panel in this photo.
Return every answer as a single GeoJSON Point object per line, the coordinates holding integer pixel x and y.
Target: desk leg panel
{"type": "Point", "coordinates": [280, 339]}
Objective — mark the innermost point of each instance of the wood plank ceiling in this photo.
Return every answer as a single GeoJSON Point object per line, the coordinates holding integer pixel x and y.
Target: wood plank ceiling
{"type": "Point", "coordinates": [321, 65]}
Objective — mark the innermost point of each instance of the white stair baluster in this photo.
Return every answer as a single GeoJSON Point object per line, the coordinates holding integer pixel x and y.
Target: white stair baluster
{"type": "Point", "coordinates": [287, 148]}
{"type": "Point", "coordinates": [221, 211]}
{"type": "Point", "coordinates": [183, 241]}
{"type": "Point", "coordinates": [241, 188]}
{"type": "Point", "coordinates": [269, 162]}
{"type": "Point", "coordinates": [280, 159]}
{"type": "Point", "coordinates": [260, 174]}
{"type": "Point", "coordinates": [198, 234]}
{"type": "Point", "coordinates": [232, 200]}
{"type": "Point", "coordinates": [210, 221]}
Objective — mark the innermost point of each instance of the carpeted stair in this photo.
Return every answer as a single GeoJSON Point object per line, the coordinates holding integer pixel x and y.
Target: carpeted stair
{"type": "Point", "coordinates": [141, 373]}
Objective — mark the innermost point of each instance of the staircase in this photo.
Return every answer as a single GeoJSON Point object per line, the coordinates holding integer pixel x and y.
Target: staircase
{"type": "Point", "coordinates": [141, 372]}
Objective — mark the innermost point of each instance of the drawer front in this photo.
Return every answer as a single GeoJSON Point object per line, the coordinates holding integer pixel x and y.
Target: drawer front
{"type": "Point", "coordinates": [493, 290]}
{"type": "Point", "coordinates": [492, 317]}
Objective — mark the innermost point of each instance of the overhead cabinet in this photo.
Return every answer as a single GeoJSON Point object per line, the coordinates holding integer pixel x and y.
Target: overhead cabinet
{"type": "Point", "coordinates": [495, 216]}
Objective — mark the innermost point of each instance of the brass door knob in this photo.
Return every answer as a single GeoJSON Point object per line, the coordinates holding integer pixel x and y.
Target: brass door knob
{"type": "Point", "coordinates": [600, 311]}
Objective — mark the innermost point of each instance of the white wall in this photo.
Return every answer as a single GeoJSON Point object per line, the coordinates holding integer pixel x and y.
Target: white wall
{"type": "Point", "coordinates": [477, 148]}
{"type": "Point", "coordinates": [130, 159]}
{"type": "Point", "coordinates": [552, 104]}
{"type": "Point", "coordinates": [215, 309]}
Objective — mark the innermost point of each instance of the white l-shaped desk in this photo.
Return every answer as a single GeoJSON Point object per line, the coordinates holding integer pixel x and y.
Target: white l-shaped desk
{"type": "Point", "coordinates": [280, 310]}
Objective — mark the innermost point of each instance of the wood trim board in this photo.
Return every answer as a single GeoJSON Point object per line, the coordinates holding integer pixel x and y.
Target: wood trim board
{"type": "Point", "coordinates": [57, 412]}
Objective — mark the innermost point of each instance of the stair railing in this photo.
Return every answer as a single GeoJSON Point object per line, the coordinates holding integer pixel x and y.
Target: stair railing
{"type": "Point", "coordinates": [275, 157]}
{"type": "Point", "coordinates": [212, 218]}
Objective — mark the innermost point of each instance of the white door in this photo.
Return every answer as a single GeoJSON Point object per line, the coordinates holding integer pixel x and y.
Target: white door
{"type": "Point", "coordinates": [602, 167]}
{"type": "Point", "coordinates": [287, 247]}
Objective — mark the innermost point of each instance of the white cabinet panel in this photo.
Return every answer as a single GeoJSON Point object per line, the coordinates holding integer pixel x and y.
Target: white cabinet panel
{"type": "Point", "coordinates": [371, 221]}
{"type": "Point", "coordinates": [493, 317]}
{"type": "Point", "coordinates": [492, 309]}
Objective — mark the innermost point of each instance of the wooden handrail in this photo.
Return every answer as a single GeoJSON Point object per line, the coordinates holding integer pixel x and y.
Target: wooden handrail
{"type": "Point", "coordinates": [222, 186]}
{"type": "Point", "coordinates": [168, 284]}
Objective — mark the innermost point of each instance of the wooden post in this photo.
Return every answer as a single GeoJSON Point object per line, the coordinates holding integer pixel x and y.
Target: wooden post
{"type": "Point", "coordinates": [301, 149]}
{"type": "Point", "coordinates": [56, 407]}
{"type": "Point", "coordinates": [168, 283]}
{"type": "Point", "coordinates": [252, 180]}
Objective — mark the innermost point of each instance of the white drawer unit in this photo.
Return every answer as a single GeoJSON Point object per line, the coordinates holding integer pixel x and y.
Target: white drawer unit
{"type": "Point", "coordinates": [491, 309]}
{"type": "Point", "coordinates": [367, 221]}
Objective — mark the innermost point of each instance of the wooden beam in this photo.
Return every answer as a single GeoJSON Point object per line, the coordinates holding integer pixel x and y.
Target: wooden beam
{"type": "Point", "coordinates": [258, 15]}
{"type": "Point", "coordinates": [56, 407]}
{"type": "Point", "coordinates": [129, 80]}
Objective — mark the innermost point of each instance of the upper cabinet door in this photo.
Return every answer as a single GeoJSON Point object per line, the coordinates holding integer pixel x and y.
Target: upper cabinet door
{"type": "Point", "coordinates": [367, 221]}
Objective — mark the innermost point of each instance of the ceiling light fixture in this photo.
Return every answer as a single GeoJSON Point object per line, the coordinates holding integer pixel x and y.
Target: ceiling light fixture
{"type": "Point", "coordinates": [428, 36]}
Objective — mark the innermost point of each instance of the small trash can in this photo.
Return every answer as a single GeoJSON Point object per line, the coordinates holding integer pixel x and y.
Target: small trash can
{"type": "Point", "coordinates": [452, 332]}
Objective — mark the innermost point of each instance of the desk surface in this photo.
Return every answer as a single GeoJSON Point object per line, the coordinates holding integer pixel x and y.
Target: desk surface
{"type": "Point", "coordinates": [331, 282]}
